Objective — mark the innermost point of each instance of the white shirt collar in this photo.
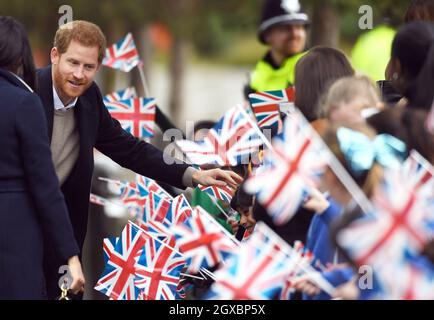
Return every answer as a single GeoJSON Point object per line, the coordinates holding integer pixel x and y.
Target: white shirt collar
{"type": "Point", "coordinates": [23, 82]}
{"type": "Point", "coordinates": [58, 104]}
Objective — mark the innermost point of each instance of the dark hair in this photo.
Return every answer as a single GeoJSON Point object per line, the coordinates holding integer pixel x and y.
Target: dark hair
{"type": "Point", "coordinates": [315, 72]}
{"type": "Point", "coordinates": [204, 124]}
{"type": "Point", "coordinates": [15, 52]}
{"type": "Point", "coordinates": [420, 10]}
{"type": "Point", "coordinates": [406, 124]}
{"type": "Point", "coordinates": [413, 47]}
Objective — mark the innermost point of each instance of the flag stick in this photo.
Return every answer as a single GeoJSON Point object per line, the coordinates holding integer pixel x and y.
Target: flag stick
{"type": "Point", "coordinates": [287, 249]}
{"type": "Point", "coordinates": [166, 245]}
{"type": "Point", "coordinates": [255, 126]}
{"type": "Point", "coordinates": [217, 205]}
{"type": "Point", "coordinates": [146, 92]}
{"type": "Point", "coordinates": [191, 276]}
{"type": "Point", "coordinates": [423, 162]}
{"type": "Point", "coordinates": [117, 182]}
{"type": "Point", "coordinates": [112, 202]}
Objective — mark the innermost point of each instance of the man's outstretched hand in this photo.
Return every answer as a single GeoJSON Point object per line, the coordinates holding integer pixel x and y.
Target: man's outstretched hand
{"type": "Point", "coordinates": [217, 177]}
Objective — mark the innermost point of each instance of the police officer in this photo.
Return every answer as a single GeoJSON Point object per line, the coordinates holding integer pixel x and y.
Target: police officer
{"type": "Point", "coordinates": [283, 29]}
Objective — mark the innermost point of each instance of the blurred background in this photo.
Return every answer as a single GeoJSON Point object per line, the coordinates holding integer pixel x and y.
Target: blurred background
{"type": "Point", "coordinates": [197, 56]}
{"type": "Point", "coordinates": [197, 53]}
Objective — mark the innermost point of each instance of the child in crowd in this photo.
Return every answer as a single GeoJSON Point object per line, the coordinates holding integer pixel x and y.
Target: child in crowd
{"type": "Point", "coordinates": [350, 100]}
{"type": "Point", "coordinates": [364, 155]}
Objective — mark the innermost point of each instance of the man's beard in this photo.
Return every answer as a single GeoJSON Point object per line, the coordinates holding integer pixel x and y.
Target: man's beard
{"type": "Point", "coordinates": [61, 84]}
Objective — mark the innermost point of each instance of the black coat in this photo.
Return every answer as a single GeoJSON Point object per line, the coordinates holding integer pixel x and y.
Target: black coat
{"type": "Point", "coordinates": [32, 207]}
{"type": "Point", "coordinates": [97, 129]}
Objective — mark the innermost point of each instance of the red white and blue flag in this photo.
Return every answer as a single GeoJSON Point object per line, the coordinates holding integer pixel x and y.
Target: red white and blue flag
{"type": "Point", "coordinates": [221, 193]}
{"type": "Point", "coordinates": [402, 220]}
{"type": "Point", "coordinates": [157, 209]}
{"type": "Point", "coordinates": [203, 241]}
{"type": "Point", "coordinates": [155, 229]}
{"type": "Point", "coordinates": [129, 196]}
{"type": "Point", "coordinates": [419, 173]}
{"type": "Point", "coordinates": [256, 271]}
{"type": "Point", "coordinates": [123, 55]}
{"type": "Point", "coordinates": [180, 210]}
{"type": "Point", "coordinates": [147, 185]}
{"type": "Point", "coordinates": [159, 270]}
{"type": "Point", "coordinates": [266, 106]}
{"type": "Point", "coordinates": [301, 258]}
{"type": "Point", "coordinates": [411, 278]}
{"type": "Point", "coordinates": [109, 245]}
{"type": "Point", "coordinates": [126, 94]}
{"type": "Point", "coordinates": [290, 169]}
{"type": "Point", "coordinates": [231, 140]}
{"type": "Point", "coordinates": [117, 279]}
{"type": "Point", "coordinates": [165, 211]}
{"type": "Point", "coordinates": [137, 116]}
{"type": "Point", "coordinates": [100, 201]}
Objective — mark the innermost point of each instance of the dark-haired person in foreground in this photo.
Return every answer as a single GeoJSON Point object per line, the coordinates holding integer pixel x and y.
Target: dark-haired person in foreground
{"type": "Point", "coordinates": [32, 207]}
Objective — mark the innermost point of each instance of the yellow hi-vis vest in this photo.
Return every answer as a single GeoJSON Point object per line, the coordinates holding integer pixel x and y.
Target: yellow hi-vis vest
{"type": "Point", "coordinates": [265, 78]}
{"type": "Point", "coordinates": [372, 52]}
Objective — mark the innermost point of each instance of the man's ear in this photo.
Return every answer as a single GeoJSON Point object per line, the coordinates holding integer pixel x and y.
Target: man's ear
{"type": "Point", "coordinates": [54, 55]}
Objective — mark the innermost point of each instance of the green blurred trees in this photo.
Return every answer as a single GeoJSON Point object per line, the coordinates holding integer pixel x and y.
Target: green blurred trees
{"type": "Point", "coordinates": [333, 18]}
{"type": "Point", "coordinates": [211, 27]}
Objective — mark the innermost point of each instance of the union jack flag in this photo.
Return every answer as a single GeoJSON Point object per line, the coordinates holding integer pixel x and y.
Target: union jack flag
{"type": "Point", "coordinates": [100, 201]}
{"type": "Point", "coordinates": [167, 212]}
{"type": "Point", "coordinates": [155, 229]}
{"type": "Point", "coordinates": [180, 210]}
{"type": "Point", "coordinates": [231, 139]}
{"type": "Point", "coordinates": [117, 280]}
{"type": "Point", "coordinates": [160, 269]}
{"type": "Point", "coordinates": [137, 116]}
{"type": "Point", "coordinates": [123, 55]}
{"type": "Point", "coordinates": [266, 106]}
{"type": "Point", "coordinates": [256, 271]}
{"type": "Point", "coordinates": [402, 219]}
{"type": "Point", "coordinates": [415, 280]}
{"type": "Point", "coordinates": [221, 193]}
{"type": "Point", "coordinates": [419, 173]}
{"type": "Point", "coordinates": [109, 245]}
{"type": "Point", "coordinates": [128, 93]}
{"type": "Point", "coordinates": [300, 257]}
{"type": "Point", "coordinates": [157, 209]}
{"type": "Point", "coordinates": [147, 185]}
{"type": "Point", "coordinates": [202, 240]}
{"type": "Point", "coordinates": [129, 196]}
{"type": "Point", "coordinates": [290, 169]}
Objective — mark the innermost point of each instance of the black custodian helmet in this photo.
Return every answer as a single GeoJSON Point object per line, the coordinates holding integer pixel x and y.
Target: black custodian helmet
{"type": "Point", "coordinates": [281, 12]}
